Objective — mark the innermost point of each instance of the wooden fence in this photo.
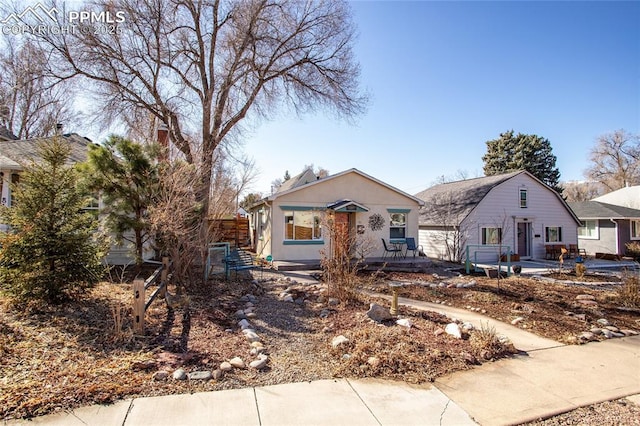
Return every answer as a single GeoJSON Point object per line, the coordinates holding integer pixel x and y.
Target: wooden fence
{"type": "Point", "coordinates": [234, 231]}
{"type": "Point", "coordinates": [140, 303]}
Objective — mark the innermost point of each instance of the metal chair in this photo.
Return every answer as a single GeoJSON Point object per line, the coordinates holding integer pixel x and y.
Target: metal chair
{"type": "Point", "coordinates": [411, 245]}
{"type": "Point", "coordinates": [394, 251]}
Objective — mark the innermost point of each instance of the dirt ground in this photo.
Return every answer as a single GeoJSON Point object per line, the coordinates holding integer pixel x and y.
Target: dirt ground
{"type": "Point", "coordinates": [54, 358]}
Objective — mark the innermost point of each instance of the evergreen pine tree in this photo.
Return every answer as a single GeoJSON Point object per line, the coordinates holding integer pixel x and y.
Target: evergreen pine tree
{"type": "Point", "coordinates": [522, 152]}
{"type": "Point", "coordinates": [127, 178]}
{"type": "Point", "coordinates": [49, 252]}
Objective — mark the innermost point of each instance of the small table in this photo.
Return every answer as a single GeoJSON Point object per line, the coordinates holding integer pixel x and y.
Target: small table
{"type": "Point", "coordinates": [401, 246]}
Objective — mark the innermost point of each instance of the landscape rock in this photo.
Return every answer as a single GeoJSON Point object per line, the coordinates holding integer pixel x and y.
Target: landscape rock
{"type": "Point", "coordinates": [438, 332]}
{"type": "Point", "coordinates": [517, 321]}
{"type": "Point", "coordinates": [404, 322]}
{"type": "Point", "coordinates": [587, 336]}
{"type": "Point", "coordinates": [373, 361]}
{"type": "Point", "coordinates": [628, 332]}
{"type": "Point", "coordinates": [258, 364]}
{"type": "Point", "coordinates": [467, 326]}
{"type": "Point", "coordinates": [237, 362]}
{"type": "Point", "coordinates": [453, 329]}
{"type": "Point", "coordinates": [251, 335]}
{"type": "Point", "coordinates": [200, 375]}
{"type": "Point", "coordinates": [378, 313]}
{"type": "Point", "coordinates": [339, 340]}
{"type": "Point", "coordinates": [160, 376]}
{"type": "Point", "coordinates": [585, 297]}
{"type": "Point", "coordinates": [333, 301]}
{"type": "Point", "coordinates": [244, 324]}
{"type": "Point", "coordinates": [226, 366]}
{"type": "Point", "coordinates": [607, 333]}
{"type": "Point", "coordinates": [603, 321]}
{"type": "Point", "coordinates": [217, 374]}
{"type": "Point", "coordinates": [180, 374]}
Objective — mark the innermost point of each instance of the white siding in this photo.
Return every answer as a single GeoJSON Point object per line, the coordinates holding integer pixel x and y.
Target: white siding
{"type": "Point", "coordinates": [501, 208]}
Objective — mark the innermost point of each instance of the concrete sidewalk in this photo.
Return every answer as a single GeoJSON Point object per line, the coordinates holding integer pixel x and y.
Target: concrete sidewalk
{"type": "Point", "coordinates": [324, 402]}
{"type": "Point", "coordinates": [541, 384]}
{"type": "Point", "coordinates": [547, 382]}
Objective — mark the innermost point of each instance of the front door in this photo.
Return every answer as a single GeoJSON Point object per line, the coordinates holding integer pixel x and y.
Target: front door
{"type": "Point", "coordinates": [524, 232]}
{"type": "Point", "coordinates": [342, 243]}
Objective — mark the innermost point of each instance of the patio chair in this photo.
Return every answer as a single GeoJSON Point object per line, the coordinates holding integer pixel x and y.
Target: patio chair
{"type": "Point", "coordinates": [393, 250]}
{"type": "Point", "coordinates": [411, 245]}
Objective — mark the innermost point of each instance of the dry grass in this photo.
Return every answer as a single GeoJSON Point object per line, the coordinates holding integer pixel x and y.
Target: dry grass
{"type": "Point", "coordinates": [629, 292]}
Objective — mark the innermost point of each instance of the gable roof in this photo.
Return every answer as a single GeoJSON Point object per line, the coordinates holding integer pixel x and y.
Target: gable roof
{"type": "Point", "coordinates": [461, 197]}
{"type": "Point", "coordinates": [16, 154]}
{"type": "Point", "coordinates": [598, 210]}
{"type": "Point", "coordinates": [303, 178]}
{"type": "Point", "coordinates": [332, 177]}
{"type": "Point", "coordinates": [628, 196]}
{"type": "Point", "coordinates": [6, 135]}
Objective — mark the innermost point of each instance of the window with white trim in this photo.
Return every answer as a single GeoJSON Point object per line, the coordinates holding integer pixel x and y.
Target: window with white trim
{"type": "Point", "coordinates": [523, 198]}
{"type": "Point", "coordinates": [302, 225]}
{"type": "Point", "coordinates": [491, 236]}
{"type": "Point", "coordinates": [398, 225]}
{"type": "Point", "coordinates": [588, 229]}
{"type": "Point", "coordinates": [635, 229]}
{"type": "Point", "coordinates": [553, 234]}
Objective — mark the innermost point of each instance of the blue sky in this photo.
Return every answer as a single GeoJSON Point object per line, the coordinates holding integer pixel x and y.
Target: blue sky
{"type": "Point", "coordinates": [445, 77]}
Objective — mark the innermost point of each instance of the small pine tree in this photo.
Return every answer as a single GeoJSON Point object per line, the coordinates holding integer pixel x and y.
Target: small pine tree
{"type": "Point", "coordinates": [50, 252]}
{"type": "Point", "coordinates": [125, 174]}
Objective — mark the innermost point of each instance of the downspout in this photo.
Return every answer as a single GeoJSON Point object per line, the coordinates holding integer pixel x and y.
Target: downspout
{"type": "Point", "coordinates": [616, 234]}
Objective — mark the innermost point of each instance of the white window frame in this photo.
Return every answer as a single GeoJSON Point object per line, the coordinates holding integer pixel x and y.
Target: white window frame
{"type": "Point", "coordinates": [586, 232]}
{"type": "Point", "coordinates": [524, 202]}
{"type": "Point", "coordinates": [634, 228]}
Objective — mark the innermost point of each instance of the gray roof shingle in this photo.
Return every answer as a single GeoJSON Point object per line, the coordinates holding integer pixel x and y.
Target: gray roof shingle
{"type": "Point", "coordinates": [16, 154]}
{"type": "Point", "coordinates": [598, 210]}
{"type": "Point", "coordinates": [461, 197]}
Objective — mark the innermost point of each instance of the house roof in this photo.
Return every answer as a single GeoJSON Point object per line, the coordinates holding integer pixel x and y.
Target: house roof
{"type": "Point", "coordinates": [303, 178]}
{"type": "Point", "coordinates": [599, 210]}
{"type": "Point", "coordinates": [628, 196]}
{"type": "Point", "coordinates": [16, 154]}
{"type": "Point", "coordinates": [302, 183]}
{"type": "Point", "coordinates": [461, 197]}
{"type": "Point", "coordinates": [6, 135]}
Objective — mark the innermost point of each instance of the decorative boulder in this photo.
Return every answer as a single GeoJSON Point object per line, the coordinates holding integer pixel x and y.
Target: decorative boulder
{"type": "Point", "coordinates": [379, 313]}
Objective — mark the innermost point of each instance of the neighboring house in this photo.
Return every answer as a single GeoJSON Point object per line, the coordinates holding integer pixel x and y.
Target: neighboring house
{"type": "Point", "coordinates": [606, 228]}
{"type": "Point", "coordinates": [489, 214]}
{"type": "Point", "coordinates": [625, 197]}
{"type": "Point", "coordinates": [15, 155]}
{"type": "Point", "coordinates": [290, 224]}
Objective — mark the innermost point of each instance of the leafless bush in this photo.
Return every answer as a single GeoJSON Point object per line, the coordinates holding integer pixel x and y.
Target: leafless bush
{"type": "Point", "coordinates": [344, 258]}
{"type": "Point", "coordinates": [629, 292]}
{"type": "Point", "coordinates": [175, 218]}
{"type": "Point", "coordinates": [486, 343]}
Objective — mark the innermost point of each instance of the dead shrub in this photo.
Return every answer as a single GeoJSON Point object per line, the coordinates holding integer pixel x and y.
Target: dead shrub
{"type": "Point", "coordinates": [486, 343]}
{"type": "Point", "coordinates": [344, 259]}
{"type": "Point", "coordinates": [629, 292]}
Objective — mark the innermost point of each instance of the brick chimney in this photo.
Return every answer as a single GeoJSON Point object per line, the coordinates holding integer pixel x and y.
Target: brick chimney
{"type": "Point", "coordinates": [163, 141]}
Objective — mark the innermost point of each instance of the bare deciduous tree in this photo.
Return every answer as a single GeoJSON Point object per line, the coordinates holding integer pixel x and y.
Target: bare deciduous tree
{"type": "Point", "coordinates": [581, 191]}
{"type": "Point", "coordinates": [201, 67]}
{"type": "Point", "coordinates": [31, 103]}
{"type": "Point", "coordinates": [615, 160]}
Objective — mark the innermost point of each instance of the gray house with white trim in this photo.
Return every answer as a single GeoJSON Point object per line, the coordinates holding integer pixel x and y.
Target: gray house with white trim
{"type": "Point", "coordinates": [606, 228]}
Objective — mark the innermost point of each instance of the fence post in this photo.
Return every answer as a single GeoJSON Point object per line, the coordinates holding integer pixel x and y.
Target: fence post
{"type": "Point", "coordinates": [163, 276]}
{"type": "Point", "coordinates": [138, 306]}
